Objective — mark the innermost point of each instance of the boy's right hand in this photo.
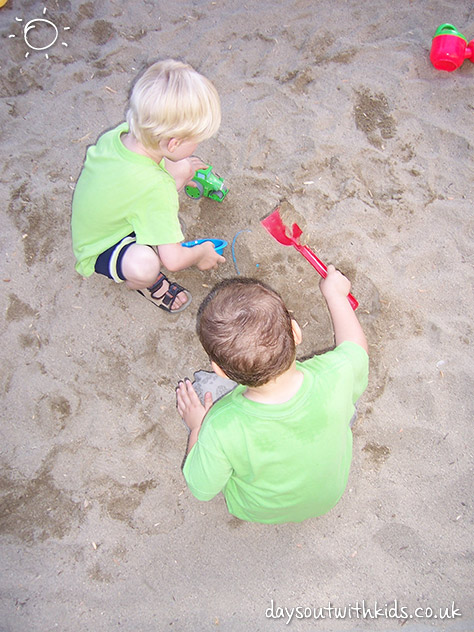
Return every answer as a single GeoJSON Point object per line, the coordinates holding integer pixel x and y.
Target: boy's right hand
{"type": "Point", "coordinates": [335, 284]}
{"type": "Point", "coordinates": [209, 257]}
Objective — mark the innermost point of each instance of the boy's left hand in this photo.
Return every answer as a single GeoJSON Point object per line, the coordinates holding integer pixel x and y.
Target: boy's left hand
{"type": "Point", "coordinates": [189, 405]}
{"type": "Point", "coordinates": [194, 163]}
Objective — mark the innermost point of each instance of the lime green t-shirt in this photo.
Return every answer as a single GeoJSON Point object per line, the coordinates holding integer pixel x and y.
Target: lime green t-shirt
{"type": "Point", "coordinates": [282, 462]}
{"type": "Point", "coordinates": [119, 192]}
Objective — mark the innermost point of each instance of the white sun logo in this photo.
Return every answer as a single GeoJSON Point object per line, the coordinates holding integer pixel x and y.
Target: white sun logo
{"type": "Point", "coordinates": [48, 41]}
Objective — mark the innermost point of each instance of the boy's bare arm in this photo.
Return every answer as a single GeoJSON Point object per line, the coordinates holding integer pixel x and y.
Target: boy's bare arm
{"type": "Point", "coordinates": [176, 257]}
{"type": "Point", "coordinates": [335, 288]}
{"type": "Point", "coordinates": [183, 170]}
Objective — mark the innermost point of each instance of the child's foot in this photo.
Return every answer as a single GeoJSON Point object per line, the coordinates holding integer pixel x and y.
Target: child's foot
{"type": "Point", "coordinates": [169, 296]}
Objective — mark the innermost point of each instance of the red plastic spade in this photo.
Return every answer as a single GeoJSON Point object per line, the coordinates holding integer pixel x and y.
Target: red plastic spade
{"type": "Point", "coordinates": [277, 229]}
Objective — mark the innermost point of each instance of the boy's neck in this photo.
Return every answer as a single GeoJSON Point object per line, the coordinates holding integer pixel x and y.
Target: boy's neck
{"type": "Point", "coordinates": [132, 144]}
{"type": "Point", "coordinates": [279, 390]}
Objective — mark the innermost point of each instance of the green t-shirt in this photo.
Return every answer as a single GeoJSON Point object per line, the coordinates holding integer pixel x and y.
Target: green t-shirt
{"type": "Point", "coordinates": [282, 462]}
{"type": "Point", "coordinates": [117, 193]}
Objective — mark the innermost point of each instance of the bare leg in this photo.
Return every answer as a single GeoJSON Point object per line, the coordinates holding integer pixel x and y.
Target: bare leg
{"type": "Point", "coordinates": [141, 267]}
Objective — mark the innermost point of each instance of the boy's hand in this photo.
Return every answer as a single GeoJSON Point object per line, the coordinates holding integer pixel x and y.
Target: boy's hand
{"type": "Point", "coordinates": [189, 405]}
{"type": "Point", "coordinates": [335, 284]}
{"type": "Point", "coordinates": [194, 163]}
{"type": "Point", "coordinates": [209, 258]}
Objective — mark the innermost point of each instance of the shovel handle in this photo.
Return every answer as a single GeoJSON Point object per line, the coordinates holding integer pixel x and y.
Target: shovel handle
{"type": "Point", "coordinates": [321, 269]}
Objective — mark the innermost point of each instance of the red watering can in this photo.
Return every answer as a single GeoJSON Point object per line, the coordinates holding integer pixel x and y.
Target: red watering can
{"type": "Point", "coordinates": [450, 48]}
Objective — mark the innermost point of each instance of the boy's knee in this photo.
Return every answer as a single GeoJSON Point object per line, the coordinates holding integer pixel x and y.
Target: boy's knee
{"type": "Point", "coordinates": [141, 264]}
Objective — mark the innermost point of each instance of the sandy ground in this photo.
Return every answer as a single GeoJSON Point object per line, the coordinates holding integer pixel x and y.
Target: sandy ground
{"type": "Point", "coordinates": [333, 107]}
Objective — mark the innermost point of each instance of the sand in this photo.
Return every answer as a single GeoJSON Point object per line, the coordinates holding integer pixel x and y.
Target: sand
{"type": "Point", "coordinates": [333, 108]}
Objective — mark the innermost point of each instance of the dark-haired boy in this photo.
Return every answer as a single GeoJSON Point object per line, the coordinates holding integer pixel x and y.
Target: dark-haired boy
{"type": "Point", "coordinates": [279, 445]}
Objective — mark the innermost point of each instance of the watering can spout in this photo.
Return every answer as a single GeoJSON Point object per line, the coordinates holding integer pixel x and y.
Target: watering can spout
{"type": "Point", "coordinates": [470, 51]}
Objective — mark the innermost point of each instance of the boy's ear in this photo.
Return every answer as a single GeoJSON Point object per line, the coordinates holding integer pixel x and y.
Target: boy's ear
{"type": "Point", "coordinates": [173, 144]}
{"type": "Point", "coordinates": [217, 370]}
{"type": "Point", "coordinates": [297, 335]}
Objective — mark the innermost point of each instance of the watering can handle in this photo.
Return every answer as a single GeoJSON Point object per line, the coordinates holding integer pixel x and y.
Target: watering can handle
{"type": "Point", "coordinates": [321, 269]}
{"type": "Point", "coordinates": [448, 29]}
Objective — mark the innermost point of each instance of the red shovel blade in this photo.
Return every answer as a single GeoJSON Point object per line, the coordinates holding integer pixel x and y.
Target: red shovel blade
{"type": "Point", "coordinates": [277, 229]}
{"type": "Point", "coordinates": [297, 232]}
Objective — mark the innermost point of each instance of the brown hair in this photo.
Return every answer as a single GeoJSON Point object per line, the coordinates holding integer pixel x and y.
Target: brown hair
{"type": "Point", "coordinates": [246, 330]}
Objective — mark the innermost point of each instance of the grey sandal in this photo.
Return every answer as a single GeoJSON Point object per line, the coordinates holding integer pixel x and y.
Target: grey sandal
{"type": "Point", "coordinates": [166, 300]}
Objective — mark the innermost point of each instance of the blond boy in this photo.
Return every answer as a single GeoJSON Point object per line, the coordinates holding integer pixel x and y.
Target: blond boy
{"type": "Point", "coordinates": [125, 206]}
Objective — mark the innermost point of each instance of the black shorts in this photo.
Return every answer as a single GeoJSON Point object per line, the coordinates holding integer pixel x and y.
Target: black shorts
{"type": "Point", "coordinates": [109, 262]}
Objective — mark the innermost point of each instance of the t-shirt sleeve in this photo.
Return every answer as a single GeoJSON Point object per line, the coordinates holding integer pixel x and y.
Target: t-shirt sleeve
{"type": "Point", "coordinates": [359, 361]}
{"type": "Point", "coordinates": [206, 469]}
{"type": "Point", "coordinates": [351, 361]}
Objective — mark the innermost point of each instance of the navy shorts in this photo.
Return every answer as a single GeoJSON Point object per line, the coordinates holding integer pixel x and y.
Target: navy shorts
{"type": "Point", "coordinates": [109, 263]}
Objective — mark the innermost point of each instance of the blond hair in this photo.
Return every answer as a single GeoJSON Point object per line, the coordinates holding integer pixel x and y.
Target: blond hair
{"type": "Point", "coordinates": [172, 100]}
{"type": "Point", "coordinates": [247, 331]}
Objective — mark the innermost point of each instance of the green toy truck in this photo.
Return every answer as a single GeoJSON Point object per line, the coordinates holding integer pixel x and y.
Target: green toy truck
{"type": "Point", "coordinates": [206, 184]}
